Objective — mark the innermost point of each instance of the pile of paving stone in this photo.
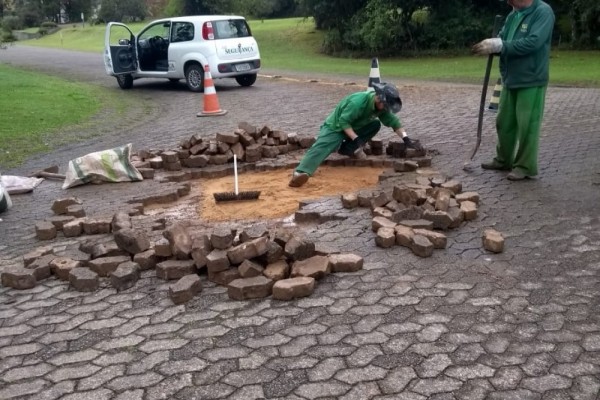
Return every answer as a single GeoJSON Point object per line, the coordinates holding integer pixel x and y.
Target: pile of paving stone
{"type": "Point", "coordinates": [415, 215]}
{"type": "Point", "coordinates": [201, 157]}
{"type": "Point", "coordinates": [248, 143]}
{"type": "Point", "coordinates": [251, 263]}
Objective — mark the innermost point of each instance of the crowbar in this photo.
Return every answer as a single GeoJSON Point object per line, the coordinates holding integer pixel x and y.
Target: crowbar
{"type": "Point", "coordinates": [486, 81]}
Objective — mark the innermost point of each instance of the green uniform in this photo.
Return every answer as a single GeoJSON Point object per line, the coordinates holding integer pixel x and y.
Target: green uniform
{"type": "Point", "coordinates": [356, 111]}
{"type": "Point", "coordinates": [524, 64]}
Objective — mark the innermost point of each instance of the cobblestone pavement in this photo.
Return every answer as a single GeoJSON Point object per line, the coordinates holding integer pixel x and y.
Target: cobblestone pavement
{"type": "Point", "coordinates": [463, 324]}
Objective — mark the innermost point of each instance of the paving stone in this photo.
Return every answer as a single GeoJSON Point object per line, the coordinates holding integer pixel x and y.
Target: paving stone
{"type": "Point", "coordinates": [225, 277]}
{"type": "Point", "coordinates": [101, 378]}
{"type": "Point", "coordinates": [277, 270]}
{"type": "Point", "coordinates": [134, 381]}
{"type": "Point", "coordinates": [315, 267]}
{"type": "Point", "coordinates": [146, 259]}
{"type": "Point", "coordinates": [104, 266]}
{"type": "Point", "coordinates": [185, 289]}
{"type": "Point", "coordinates": [120, 220]}
{"type": "Point", "coordinates": [175, 269]}
{"type": "Point", "coordinates": [18, 278]}
{"type": "Point", "coordinates": [59, 206]}
{"type": "Point", "coordinates": [298, 248]}
{"type": "Point", "coordinates": [288, 289]}
{"type": "Point", "coordinates": [249, 269]}
{"type": "Point", "coordinates": [180, 241]}
{"type": "Point", "coordinates": [247, 250]}
{"type": "Point", "coordinates": [73, 228]}
{"type": "Point", "coordinates": [62, 266]}
{"type": "Point", "coordinates": [168, 387]}
{"type": "Point", "coordinates": [77, 211]}
{"type": "Point", "coordinates": [385, 237]}
{"type": "Point", "coordinates": [132, 241]}
{"type": "Point", "coordinates": [36, 253]}
{"type": "Point", "coordinates": [322, 389]}
{"type": "Point", "coordinates": [250, 288]}
{"type": "Point", "coordinates": [45, 230]}
{"type": "Point", "coordinates": [421, 246]}
{"type": "Point", "coordinates": [218, 261]}
{"type": "Point", "coordinates": [125, 276]}
{"type": "Point", "coordinates": [84, 279]}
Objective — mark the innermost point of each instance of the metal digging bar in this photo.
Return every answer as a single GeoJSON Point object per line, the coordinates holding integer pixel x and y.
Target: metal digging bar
{"type": "Point", "coordinates": [237, 195]}
{"type": "Point", "coordinates": [497, 24]}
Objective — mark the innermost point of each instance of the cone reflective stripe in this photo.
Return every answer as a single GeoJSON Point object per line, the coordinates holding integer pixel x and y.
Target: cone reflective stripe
{"type": "Point", "coordinates": [374, 76]}
{"type": "Point", "coordinates": [211, 105]}
{"type": "Point", "coordinates": [495, 100]}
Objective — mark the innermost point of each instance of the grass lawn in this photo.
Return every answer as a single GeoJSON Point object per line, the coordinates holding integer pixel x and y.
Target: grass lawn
{"type": "Point", "coordinates": [39, 107]}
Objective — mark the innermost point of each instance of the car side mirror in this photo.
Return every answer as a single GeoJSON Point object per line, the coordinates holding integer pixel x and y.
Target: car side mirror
{"type": "Point", "coordinates": [123, 42]}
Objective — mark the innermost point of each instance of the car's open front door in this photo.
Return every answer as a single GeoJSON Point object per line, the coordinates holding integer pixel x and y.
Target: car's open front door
{"type": "Point", "coordinates": [119, 49]}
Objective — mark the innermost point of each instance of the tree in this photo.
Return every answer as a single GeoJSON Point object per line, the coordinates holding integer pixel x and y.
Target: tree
{"type": "Point", "coordinates": [122, 10]}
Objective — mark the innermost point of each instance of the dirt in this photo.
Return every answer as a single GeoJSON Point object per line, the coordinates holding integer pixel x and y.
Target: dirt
{"type": "Point", "coordinates": [277, 199]}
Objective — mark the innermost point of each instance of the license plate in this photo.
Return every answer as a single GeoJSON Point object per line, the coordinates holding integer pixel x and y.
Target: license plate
{"type": "Point", "coordinates": [243, 67]}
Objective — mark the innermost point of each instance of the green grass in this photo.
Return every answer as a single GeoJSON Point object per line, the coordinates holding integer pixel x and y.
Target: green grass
{"type": "Point", "coordinates": [293, 44]}
{"type": "Point", "coordinates": [36, 108]}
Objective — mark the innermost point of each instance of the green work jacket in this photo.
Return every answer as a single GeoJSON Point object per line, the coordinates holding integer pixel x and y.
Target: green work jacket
{"type": "Point", "coordinates": [357, 110]}
{"type": "Point", "coordinates": [525, 57]}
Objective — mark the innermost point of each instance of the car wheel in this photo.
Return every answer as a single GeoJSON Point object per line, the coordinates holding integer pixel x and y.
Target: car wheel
{"type": "Point", "coordinates": [194, 77]}
{"type": "Point", "coordinates": [246, 80]}
{"type": "Point", "coordinates": [125, 81]}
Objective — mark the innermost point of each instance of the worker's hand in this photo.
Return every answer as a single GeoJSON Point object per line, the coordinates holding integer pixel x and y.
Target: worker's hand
{"type": "Point", "coordinates": [488, 46]}
{"type": "Point", "coordinates": [358, 145]}
{"type": "Point", "coordinates": [412, 144]}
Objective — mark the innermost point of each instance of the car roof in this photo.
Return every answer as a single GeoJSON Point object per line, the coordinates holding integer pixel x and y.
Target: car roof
{"type": "Point", "coordinates": [200, 18]}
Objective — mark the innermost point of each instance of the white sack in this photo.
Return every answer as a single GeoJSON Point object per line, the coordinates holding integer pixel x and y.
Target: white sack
{"type": "Point", "coordinates": [111, 165]}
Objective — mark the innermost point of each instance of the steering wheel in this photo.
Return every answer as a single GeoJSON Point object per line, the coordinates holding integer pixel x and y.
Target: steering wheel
{"type": "Point", "coordinates": [159, 43]}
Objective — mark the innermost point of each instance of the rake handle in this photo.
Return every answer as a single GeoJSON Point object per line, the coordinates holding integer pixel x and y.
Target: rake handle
{"type": "Point", "coordinates": [235, 174]}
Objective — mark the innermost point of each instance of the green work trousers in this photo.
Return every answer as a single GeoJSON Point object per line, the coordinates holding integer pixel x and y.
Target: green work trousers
{"type": "Point", "coordinates": [520, 113]}
{"type": "Point", "coordinates": [329, 141]}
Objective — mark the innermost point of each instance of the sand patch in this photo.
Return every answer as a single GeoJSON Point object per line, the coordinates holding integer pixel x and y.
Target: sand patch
{"type": "Point", "coordinates": [277, 199]}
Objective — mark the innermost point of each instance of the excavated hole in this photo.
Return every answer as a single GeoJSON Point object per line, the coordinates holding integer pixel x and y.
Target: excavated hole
{"type": "Point", "coordinates": [277, 200]}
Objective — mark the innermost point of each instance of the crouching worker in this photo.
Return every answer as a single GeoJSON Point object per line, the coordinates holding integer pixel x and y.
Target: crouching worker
{"type": "Point", "coordinates": [353, 122]}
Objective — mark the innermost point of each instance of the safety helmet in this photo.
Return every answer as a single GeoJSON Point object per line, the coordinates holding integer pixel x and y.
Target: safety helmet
{"type": "Point", "coordinates": [389, 96]}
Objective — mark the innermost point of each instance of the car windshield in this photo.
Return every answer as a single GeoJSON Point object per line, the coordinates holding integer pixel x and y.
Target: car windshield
{"type": "Point", "coordinates": [232, 28]}
{"type": "Point", "coordinates": [160, 29]}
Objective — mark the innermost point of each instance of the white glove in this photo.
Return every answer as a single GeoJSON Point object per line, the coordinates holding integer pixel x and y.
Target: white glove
{"type": "Point", "coordinates": [488, 46]}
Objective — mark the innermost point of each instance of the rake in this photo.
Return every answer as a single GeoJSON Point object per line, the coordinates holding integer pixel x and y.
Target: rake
{"type": "Point", "coordinates": [237, 195]}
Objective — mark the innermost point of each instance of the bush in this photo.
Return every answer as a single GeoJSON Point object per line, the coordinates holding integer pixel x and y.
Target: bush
{"type": "Point", "coordinates": [48, 25]}
{"type": "Point", "coordinates": [12, 23]}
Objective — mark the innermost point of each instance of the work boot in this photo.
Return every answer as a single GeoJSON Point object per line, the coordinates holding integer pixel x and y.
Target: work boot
{"type": "Point", "coordinates": [516, 175]}
{"type": "Point", "coordinates": [298, 179]}
{"type": "Point", "coordinates": [495, 165]}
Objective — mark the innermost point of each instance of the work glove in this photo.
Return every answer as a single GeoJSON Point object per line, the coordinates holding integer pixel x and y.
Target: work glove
{"type": "Point", "coordinates": [358, 144]}
{"type": "Point", "coordinates": [359, 153]}
{"type": "Point", "coordinates": [412, 144]}
{"type": "Point", "coordinates": [488, 46]}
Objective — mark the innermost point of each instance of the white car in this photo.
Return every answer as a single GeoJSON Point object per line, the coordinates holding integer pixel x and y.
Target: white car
{"type": "Point", "coordinates": [179, 48]}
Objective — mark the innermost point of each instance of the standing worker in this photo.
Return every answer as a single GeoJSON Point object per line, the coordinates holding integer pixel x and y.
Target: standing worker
{"type": "Point", "coordinates": [354, 121]}
{"type": "Point", "coordinates": [524, 48]}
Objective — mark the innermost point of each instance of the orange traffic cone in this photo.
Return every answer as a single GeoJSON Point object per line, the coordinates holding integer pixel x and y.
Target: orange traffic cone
{"type": "Point", "coordinates": [211, 101]}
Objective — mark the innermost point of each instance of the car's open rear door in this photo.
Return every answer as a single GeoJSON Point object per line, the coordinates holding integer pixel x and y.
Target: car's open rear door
{"type": "Point", "coordinates": [119, 49]}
